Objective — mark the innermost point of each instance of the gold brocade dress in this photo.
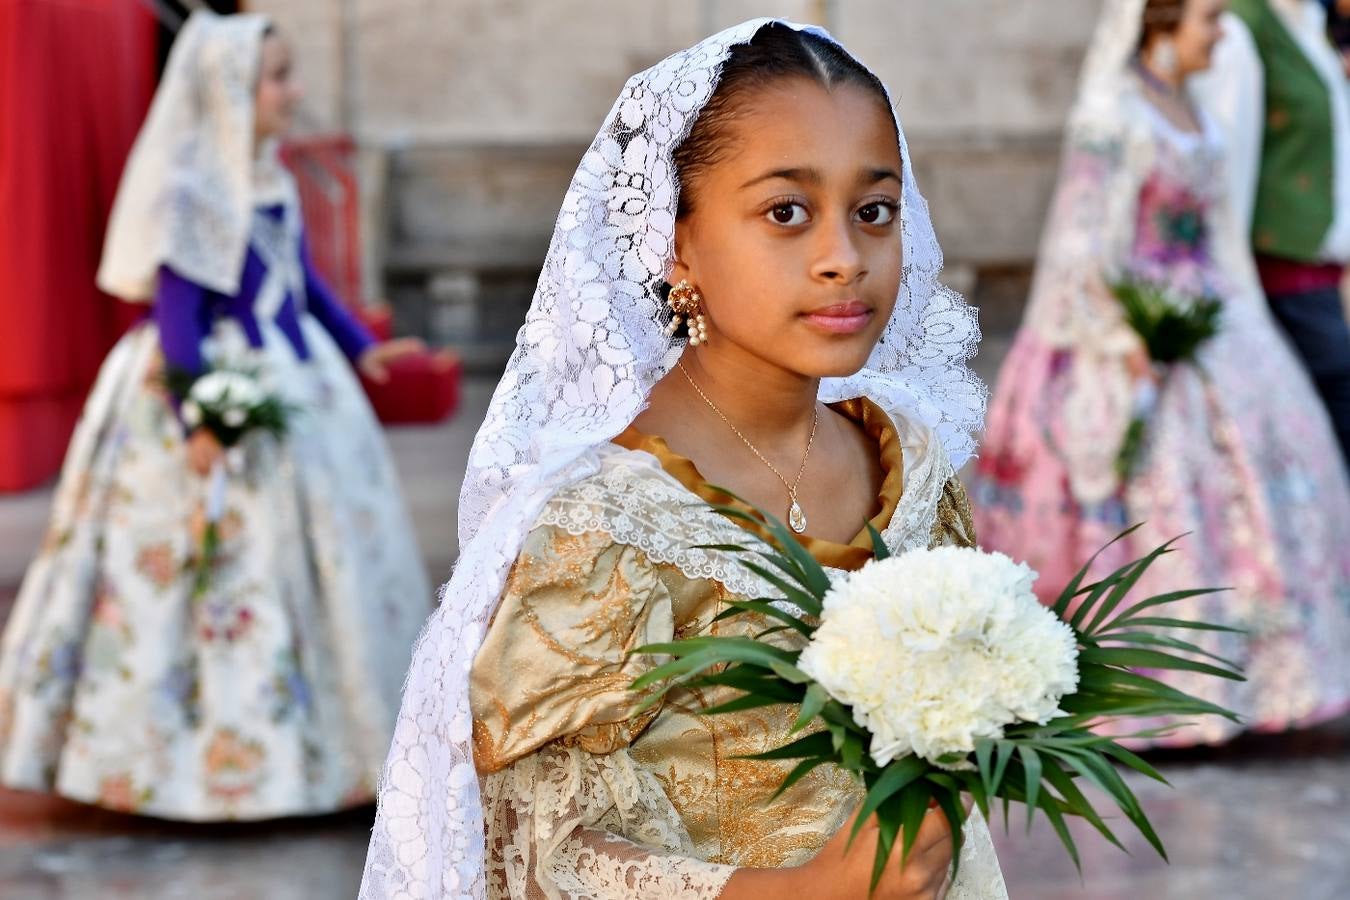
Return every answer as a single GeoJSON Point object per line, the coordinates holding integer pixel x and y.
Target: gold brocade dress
{"type": "Point", "coordinates": [585, 797]}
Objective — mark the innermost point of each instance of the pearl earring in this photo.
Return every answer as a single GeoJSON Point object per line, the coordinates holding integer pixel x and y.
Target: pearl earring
{"type": "Point", "coordinates": [686, 303]}
{"type": "Point", "coordinates": [1165, 56]}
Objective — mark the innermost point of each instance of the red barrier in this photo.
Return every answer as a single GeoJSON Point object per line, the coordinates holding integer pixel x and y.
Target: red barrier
{"type": "Point", "coordinates": [325, 173]}
{"type": "Point", "coordinates": [76, 77]}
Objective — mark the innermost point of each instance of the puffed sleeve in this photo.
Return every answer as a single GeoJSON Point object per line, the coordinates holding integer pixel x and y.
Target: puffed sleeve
{"type": "Point", "coordinates": [568, 811]}
{"type": "Point", "coordinates": [182, 316]}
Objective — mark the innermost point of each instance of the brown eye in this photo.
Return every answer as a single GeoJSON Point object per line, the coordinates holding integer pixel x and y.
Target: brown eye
{"type": "Point", "coordinates": [788, 214]}
{"type": "Point", "coordinates": [877, 214]}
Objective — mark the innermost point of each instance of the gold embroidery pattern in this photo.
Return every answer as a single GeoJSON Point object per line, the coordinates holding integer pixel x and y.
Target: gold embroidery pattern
{"type": "Point", "coordinates": [954, 525]}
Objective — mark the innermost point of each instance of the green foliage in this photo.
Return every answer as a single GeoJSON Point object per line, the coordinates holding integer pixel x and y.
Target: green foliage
{"type": "Point", "coordinates": [270, 415]}
{"type": "Point", "coordinates": [1171, 331]}
{"type": "Point", "coordinates": [1039, 766]}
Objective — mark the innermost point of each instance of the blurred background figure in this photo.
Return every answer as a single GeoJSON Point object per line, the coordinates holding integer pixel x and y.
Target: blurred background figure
{"type": "Point", "coordinates": [1278, 91]}
{"type": "Point", "coordinates": [1097, 424]}
{"type": "Point", "coordinates": [141, 669]}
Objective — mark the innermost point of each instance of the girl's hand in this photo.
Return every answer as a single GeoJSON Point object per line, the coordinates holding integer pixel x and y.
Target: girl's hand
{"type": "Point", "coordinates": [374, 362]}
{"type": "Point", "coordinates": [837, 874]}
{"type": "Point", "coordinates": [203, 451]}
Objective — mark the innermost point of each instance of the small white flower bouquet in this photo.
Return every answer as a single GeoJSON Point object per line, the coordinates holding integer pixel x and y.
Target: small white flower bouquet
{"type": "Point", "coordinates": [231, 404]}
{"type": "Point", "coordinates": [938, 673]}
{"type": "Point", "coordinates": [1172, 325]}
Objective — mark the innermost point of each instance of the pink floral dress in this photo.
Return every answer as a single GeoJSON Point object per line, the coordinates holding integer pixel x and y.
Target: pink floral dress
{"type": "Point", "coordinates": [1238, 452]}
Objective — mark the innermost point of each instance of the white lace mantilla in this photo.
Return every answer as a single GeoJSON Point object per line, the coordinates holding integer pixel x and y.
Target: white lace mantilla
{"type": "Point", "coordinates": [194, 175]}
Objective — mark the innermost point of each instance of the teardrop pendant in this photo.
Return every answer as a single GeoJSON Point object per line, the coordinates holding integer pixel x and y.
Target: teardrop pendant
{"type": "Point", "coordinates": [796, 518]}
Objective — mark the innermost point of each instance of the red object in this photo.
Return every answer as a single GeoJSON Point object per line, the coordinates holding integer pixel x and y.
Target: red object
{"type": "Point", "coordinates": [379, 320]}
{"type": "Point", "coordinates": [1284, 276]}
{"type": "Point", "coordinates": [76, 77]}
{"type": "Point", "coordinates": [422, 388]}
{"type": "Point", "coordinates": [325, 174]}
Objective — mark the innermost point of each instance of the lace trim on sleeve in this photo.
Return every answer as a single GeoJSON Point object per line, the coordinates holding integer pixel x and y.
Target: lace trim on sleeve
{"type": "Point", "coordinates": [979, 877]}
{"type": "Point", "coordinates": [564, 824]}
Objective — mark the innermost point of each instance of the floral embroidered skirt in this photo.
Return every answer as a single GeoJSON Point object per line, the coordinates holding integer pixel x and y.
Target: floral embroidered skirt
{"type": "Point", "coordinates": [1239, 459]}
{"type": "Point", "coordinates": [274, 692]}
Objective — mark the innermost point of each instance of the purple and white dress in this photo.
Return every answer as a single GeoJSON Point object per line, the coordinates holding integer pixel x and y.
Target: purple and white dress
{"type": "Point", "coordinates": [275, 694]}
{"type": "Point", "coordinates": [1238, 453]}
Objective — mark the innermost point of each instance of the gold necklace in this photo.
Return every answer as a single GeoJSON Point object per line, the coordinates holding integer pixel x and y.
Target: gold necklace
{"type": "Point", "coordinates": [796, 518]}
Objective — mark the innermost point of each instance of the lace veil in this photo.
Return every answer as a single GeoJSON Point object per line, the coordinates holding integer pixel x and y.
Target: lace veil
{"type": "Point", "coordinates": [1102, 83]}
{"type": "Point", "coordinates": [189, 187]}
{"type": "Point", "coordinates": [590, 350]}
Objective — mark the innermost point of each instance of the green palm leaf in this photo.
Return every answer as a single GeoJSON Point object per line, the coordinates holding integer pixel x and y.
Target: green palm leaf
{"type": "Point", "coordinates": [1037, 765]}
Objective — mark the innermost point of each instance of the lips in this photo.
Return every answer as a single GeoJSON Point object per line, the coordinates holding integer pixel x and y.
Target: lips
{"type": "Point", "coordinates": [849, 317]}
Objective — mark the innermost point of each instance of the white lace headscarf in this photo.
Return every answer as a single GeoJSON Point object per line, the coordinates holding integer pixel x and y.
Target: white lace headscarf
{"type": "Point", "coordinates": [592, 347]}
{"type": "Point", "coordinates": [1104, 80]}
{"type": "Point", "coordinates": [1106, 85]}
{"type": "Point", "coordinates": [189, 187]}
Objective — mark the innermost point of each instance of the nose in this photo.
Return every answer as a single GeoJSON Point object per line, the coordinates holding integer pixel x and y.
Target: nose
{"type": "Point", "coordinates": [838, 258]}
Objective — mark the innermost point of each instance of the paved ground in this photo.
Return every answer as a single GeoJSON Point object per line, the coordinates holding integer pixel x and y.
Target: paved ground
{"type": "Point", "coordinates": [1267, 818]}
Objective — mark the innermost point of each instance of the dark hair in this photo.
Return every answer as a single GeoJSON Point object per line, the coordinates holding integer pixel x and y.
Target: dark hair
{"type": "Point", "coordinates": [1161, 17]}
{"type": "Point", "coordinates": [775, 52]}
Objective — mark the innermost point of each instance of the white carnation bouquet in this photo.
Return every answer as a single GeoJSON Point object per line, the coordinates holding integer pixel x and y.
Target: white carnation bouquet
{"type": "Point", "coordinates": [232, 404]}
{"type": "Point", "coordinates": [938, 673]}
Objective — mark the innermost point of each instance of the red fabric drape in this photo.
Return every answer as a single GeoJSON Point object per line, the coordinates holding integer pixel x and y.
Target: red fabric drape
{"type": "Point", "coordinates": [76, 77]}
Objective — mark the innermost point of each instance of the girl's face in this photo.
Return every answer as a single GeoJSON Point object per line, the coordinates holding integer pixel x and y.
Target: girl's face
{"type": "Point", "coordinates": [1198, 33]}
{"type": "Point", "coordinates": [794, 235]}
{"type": "Point", "coordinates": [278, 92]}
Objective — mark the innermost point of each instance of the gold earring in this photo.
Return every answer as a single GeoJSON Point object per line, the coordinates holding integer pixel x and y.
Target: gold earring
{"type": "Point", "coordinates": [685, 301]}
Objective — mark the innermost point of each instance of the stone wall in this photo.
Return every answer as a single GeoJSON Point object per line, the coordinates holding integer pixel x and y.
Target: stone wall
{"type": "Point", "coordinates": [472, 114]}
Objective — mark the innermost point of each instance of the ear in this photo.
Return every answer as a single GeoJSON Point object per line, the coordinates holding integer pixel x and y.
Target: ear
{"type": "Point", "coordinates": [681, 268]}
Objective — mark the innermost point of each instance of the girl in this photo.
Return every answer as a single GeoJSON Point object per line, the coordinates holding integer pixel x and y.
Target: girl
{"type": "Point", "coordinates": [1238, 452]}
{"type": "Point", "coordinates": [273, 692]}
{"type": "Point", "coordinates": [742, 290]}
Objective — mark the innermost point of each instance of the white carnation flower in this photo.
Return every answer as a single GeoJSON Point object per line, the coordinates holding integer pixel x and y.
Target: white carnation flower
{"type": "Point", "coordinates": [215, 388]}
{"type": "Point", "coordinates": [234, 417]}
{"type": "Point", "coordinates": [191, 413]}
{"type": "Point", "coordinates": [210, 388]}
{"type": "Point", "coordinates": [937, 648]}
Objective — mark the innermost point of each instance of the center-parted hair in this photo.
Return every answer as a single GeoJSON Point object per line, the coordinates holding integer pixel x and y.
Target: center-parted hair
{"type": "Point", "coordinates": [776, 53]}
